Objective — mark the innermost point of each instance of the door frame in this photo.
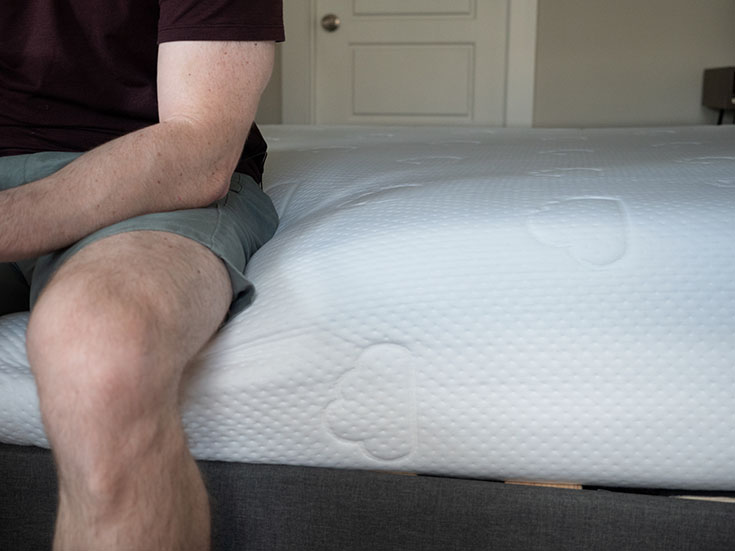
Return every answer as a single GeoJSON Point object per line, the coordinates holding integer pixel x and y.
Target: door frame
{"type": "Point", "coordinates": [298, 62]}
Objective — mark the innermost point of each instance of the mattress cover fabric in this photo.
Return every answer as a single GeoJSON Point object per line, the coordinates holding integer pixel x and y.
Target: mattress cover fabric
{"type": "Point", "coordinates": [551, 305]}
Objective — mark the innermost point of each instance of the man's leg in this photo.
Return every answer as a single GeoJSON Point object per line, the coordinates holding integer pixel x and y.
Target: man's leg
{"type": "Point", "coordinates": [108, 341]}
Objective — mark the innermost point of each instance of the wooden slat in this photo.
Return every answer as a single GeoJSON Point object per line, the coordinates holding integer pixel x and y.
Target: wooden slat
{"type": "Point", "coordinates": [563, 485]}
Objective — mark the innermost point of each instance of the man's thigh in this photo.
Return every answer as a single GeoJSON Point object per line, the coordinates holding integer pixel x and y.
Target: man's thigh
{"type": "Point", "coordinates": [168, 283]}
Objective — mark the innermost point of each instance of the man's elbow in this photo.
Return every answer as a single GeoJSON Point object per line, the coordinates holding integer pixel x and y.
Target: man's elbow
{"type": "Point", "coordinates": [217, 189]}
{"type": "Point", "coordinates": [220, 175]}
{"type": "Point", "coordinates": [213, 155]}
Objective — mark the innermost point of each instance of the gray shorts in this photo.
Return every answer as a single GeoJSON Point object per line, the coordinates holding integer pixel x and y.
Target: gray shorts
{"type": "Point", "coordinates": [233, 228]}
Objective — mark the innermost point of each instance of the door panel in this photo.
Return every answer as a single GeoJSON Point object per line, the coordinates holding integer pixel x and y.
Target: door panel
{"type": "Point", "coordinates": [414, 7]}
{"type": "Point", "coordinates": [412, 62]}
{"type": "Point", "coordinates": [418, 91]}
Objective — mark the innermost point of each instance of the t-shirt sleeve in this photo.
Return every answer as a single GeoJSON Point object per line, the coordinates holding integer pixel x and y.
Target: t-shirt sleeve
{"type": "Point", "coordinates": [220, 20]}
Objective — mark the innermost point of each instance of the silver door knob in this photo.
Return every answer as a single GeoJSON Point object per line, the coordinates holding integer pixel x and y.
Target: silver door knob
{"type": "Point", "coordinates": [330, 22]}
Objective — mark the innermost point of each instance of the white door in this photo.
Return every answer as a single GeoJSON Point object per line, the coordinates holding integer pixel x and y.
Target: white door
{"type": "Point", "coordinates": [411, 61]}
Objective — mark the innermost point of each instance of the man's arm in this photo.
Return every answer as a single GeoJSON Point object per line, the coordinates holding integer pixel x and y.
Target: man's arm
{"type": "Point", "coordinates": [208, 94]}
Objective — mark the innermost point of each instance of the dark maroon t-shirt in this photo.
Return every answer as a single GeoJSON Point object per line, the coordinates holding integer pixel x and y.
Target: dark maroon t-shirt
{"type": "Point", "coordinates": [78, 73]}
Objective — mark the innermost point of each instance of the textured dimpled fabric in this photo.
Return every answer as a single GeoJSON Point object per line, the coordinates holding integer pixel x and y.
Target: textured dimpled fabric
{"type": "Point", "coordinates": [549, 305]}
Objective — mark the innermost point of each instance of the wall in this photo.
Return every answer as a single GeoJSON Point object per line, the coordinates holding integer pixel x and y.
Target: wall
{"type": "Point", "coordinates": [269, 109]}
{"type": "Point", "coordinates": [628, 62]}
{"type": "Point", "coordinates": [614, 62]}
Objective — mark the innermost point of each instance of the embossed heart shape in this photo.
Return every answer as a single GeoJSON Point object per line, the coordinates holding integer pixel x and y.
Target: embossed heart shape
{"type": "Point", "coordinates": [376, 404]}
{"type": "Point", "coordinates": [593, 230]}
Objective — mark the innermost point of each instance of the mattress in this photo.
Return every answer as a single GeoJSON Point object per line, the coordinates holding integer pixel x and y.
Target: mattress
{"type": "Point", "coordinates": [547, 305]}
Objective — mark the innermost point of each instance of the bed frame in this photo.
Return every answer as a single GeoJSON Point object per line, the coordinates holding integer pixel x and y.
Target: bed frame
{"type": "Point", "coordinates": [280, 508]}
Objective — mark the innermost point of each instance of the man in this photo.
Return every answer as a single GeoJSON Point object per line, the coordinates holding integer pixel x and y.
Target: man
{"type": "Point", "coordinates": [121, 125]}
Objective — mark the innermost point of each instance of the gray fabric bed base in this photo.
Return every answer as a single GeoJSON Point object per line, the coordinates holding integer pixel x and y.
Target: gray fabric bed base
{"type": "Point", "coordinates": [278, 508]}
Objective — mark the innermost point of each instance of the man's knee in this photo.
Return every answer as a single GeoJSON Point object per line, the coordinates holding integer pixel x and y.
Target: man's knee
{"type": "Point", "coordinates": [93, 352]}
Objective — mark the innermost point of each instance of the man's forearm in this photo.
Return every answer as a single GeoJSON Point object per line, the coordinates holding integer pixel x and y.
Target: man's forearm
{"type": "Point", "coordinates": [173, 165]}
{"type": "Point", "coordinates": [207, 98]}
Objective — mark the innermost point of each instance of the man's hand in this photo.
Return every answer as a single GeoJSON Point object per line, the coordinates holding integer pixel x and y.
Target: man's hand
{"type": "Point", "coordinates": [208, 94]}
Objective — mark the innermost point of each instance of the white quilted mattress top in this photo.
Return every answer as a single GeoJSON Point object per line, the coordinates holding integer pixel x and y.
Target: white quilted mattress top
{"type": "Point", "coordinates": [550, 305]}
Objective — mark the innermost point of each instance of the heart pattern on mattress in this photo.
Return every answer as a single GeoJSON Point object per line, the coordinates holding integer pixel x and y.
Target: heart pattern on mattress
{"type": "Point", "coordinates": [594, 230]}
{"type": "Point", "coordinates": [376, 404]}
